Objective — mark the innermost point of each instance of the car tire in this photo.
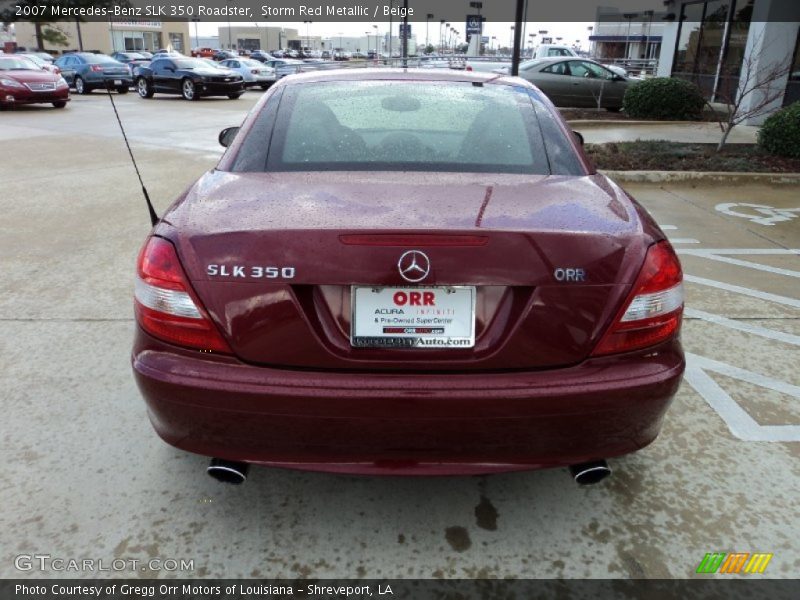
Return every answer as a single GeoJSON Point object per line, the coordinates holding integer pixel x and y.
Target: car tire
{"type": "Point", "coordinates": [144, 88]}
{"type": "Point", "coordinates": [189, 90]}
{"type": "Point", "coordinates": [59, 104]}
{"type": "Point", "coordinates": [265, 86]}
{"type": "Point", "coordinates": [81, 87]}
{"type": "Point", "coordinates": [123, 89]}
{"type": "Point", "coordinates": [235, 96]}
{"type": "Point", "coordinates": [614, 109]}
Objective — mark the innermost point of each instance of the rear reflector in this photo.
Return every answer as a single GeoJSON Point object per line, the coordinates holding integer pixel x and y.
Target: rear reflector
{"type": "Point", "coordinates": [653, 310]}
{"type": "Point", "coordinates": [164, 304]}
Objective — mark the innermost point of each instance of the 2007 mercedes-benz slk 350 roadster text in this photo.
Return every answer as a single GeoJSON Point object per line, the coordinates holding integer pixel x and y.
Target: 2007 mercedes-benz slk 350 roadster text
{"type": "Point", "coordinates": [407, 272]}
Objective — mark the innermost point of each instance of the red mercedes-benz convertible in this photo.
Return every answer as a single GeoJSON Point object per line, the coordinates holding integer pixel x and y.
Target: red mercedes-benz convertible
{"type": "Point", "coordinates": [407, 272]}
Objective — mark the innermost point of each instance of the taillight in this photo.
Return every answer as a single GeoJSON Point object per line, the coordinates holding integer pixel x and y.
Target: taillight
{"type": "Point", "coordinates": [653, 310]}
{"type": "Point", "coordinates": [96, 68]}
{"type": "Point", "coordinates": [164, 304]}
{"type": "Point", "coordinates": [56, 71]}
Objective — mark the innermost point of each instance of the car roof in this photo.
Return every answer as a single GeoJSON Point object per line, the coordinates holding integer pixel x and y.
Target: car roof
{"type": "Point", "coordinates": [400, 74]}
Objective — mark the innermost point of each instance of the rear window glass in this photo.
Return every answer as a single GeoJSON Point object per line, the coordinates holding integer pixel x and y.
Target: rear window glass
{"type": "Point", "coordinates": [415, 126]}
{"type": "Point", "coordinates": [97, 59]}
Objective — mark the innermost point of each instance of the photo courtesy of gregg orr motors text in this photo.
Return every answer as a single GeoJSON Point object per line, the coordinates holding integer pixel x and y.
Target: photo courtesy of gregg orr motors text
{"type": "Point", "coordinates": [47, 562]}
{"type": "Point", "coordinates": [191, 590]}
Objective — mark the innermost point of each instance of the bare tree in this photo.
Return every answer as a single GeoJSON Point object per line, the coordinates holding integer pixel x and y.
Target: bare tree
{"type": "Point", "coordinates": [753, 94]}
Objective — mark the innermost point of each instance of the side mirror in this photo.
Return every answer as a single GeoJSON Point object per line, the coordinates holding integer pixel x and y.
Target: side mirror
{"type": "Point", "coordinates": [578, 137]}
{"type": "Point", "coordinates": [618, 77]}
{"type": "Point", "coordinates": [227, 135]}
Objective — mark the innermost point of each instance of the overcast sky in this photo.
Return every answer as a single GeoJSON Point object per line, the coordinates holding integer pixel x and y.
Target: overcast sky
{"type": "Point", "coordinates": [570, 31]}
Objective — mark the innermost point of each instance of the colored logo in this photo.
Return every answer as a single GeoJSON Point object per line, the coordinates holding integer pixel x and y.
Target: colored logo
{"type": "Point", "coordinates": [735, 562]}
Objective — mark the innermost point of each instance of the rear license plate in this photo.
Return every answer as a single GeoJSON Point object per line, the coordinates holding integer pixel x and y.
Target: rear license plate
{"type": "Point", "coordinates": [413, 317]}
{"type": "Point", "coordinates": [118, 82]}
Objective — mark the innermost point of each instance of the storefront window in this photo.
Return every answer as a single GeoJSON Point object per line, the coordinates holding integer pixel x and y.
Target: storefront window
{"type": "Point", "coordinates": [176, 41]}
{"type": "Point", "coordinates": [793, 87]}
{"type": "Point", "coordinates": [711, 44]}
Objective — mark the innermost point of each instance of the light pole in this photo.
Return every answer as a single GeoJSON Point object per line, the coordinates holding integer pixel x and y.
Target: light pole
{"type": "Point", "coordinates": [230, 33]}
{"type": "Point", "coordinates": [308, 39]}
{"type": "Point", "coordinates": [590, 28]}
{"type": "Point", "coordinates": [441, 45]}
{"type": "Point", "coordinates": [511, 44]}
{"type": "Point", "coordinates": [427, 22]}
{"type": "Point", "coordinates": [530, 41]}
{"type": "Point", "coordinates": [630, 17]}
{"type": "Point", "coordinates": [196, 36]}
{"type": "Point", "coordinates": [377, 52]}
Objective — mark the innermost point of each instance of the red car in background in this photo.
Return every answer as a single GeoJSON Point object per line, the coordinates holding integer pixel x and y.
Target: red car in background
{"type": "Point", "coordinates": [23, 82]}
{"type": "Point", "coordinates": [407, 272]}
{"type": "Point", "coordinates": [203, 52]}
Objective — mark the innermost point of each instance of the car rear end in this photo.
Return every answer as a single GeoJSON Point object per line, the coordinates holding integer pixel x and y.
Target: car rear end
{"type": "Point", "coordinates": [312, 305]}
{"type": "Point", "coordinates": [102, 71]}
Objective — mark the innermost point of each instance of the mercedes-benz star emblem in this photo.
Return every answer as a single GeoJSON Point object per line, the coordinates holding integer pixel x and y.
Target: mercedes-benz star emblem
{"type": "Point", "coordinates": [414, 266]}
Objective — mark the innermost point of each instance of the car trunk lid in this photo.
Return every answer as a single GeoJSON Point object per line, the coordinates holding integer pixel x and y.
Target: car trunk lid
{"type": "Point", "coordinates": [273, 257]}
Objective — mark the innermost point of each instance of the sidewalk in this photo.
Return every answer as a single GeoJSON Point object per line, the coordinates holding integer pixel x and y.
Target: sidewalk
{"type": "Point", "coordinates": [599, 132]}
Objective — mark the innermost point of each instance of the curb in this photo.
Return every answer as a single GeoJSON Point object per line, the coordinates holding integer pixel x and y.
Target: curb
{"type": "Point", "coordinates": [699, 177]}
{"type": "Point", "coordinates": [623, 122]}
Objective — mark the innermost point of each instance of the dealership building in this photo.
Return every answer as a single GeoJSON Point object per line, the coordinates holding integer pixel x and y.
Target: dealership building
{"type": "Point", "coordinates": [111, 36]}
{"type": "Point", "coordinates": [716, 43]}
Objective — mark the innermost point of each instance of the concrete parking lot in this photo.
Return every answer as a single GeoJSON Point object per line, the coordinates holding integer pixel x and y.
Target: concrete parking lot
{"type": "Point", "coordinates": [85, 476]}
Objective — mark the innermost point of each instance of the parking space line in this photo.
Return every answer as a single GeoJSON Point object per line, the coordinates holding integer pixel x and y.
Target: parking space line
{"type": "Point", "coordinates": [684, 241]}
{"type": "Point", "coordinates": [732, 251]}
{"type": "Point", "coordinates": [778, 336]}
{"type": "Point", "coordinates": [793, 302]}
{"type": "Point", "coordinates": [738, 421]}
{"type": "Point", "coordinates": [744, 263]}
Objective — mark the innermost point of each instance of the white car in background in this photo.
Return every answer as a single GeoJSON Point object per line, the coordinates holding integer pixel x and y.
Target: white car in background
{"type": "Point", "coordinates": [255, 73]}
{"type": "Point", "coordinates": [554, 51]}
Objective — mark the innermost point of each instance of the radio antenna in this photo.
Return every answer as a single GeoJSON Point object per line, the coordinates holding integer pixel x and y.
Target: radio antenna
{"type": "Point", "coordinates": [150, 209]}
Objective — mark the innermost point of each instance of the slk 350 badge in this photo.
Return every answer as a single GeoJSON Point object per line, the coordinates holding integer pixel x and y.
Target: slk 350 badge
{"type": "Point", "coordinates": [250, 272]}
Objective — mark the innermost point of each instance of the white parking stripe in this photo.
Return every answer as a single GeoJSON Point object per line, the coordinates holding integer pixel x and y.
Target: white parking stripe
{"type": "Point", "coordinates": [793, 302]}
{"type": "Point", "coordinates": [778, 336]}
{"type": "Point", "coordinates": [732, 251]}
{"type": "Point", "coordinates": [739, 422]}
{"type": "Point", "coordinates": [746, 263]}
{"type": "Point", "coordinates": [684, 241]}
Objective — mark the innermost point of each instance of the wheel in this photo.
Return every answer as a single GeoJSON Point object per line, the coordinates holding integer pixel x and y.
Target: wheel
{"type": "Point", "coordinates": [81, 87]}
{"type": "Point", "coordinates": [264, 86]}
{"type": "Point", "coordinates": [189, 91]}
{"type": "Point", "coordinates": [614, 109]}
{"type": "Point", "coordinates": [123, 89]}
{"type": "Point", "coordinates": [59, 104]}
{"type": "Point", "coordinates": [235, 96]}
{"type": "Point", "coordinates": [144, 88]}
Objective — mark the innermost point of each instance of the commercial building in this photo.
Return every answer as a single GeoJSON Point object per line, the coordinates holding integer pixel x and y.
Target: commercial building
{"type": "Point", "coordinates": [249, 38]}
{"type": "Point", "coordinates": [626, 35]}
{"type": "Point", "coordinates": [727, 45]}
{"type": "Point", "coordinates": [111, 36]}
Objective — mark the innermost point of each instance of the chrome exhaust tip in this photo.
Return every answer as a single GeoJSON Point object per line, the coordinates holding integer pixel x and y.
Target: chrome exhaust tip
{"type": "Point", "coordinates": [228, 471]}
{"type": "Point", "coordinates": [590, 473]}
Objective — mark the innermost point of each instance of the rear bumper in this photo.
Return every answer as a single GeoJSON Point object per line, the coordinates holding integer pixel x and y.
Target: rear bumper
{"type": "Point", "coordinates": [100, 79]}
{"type": "Point", "coordinates": [406, 423]}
